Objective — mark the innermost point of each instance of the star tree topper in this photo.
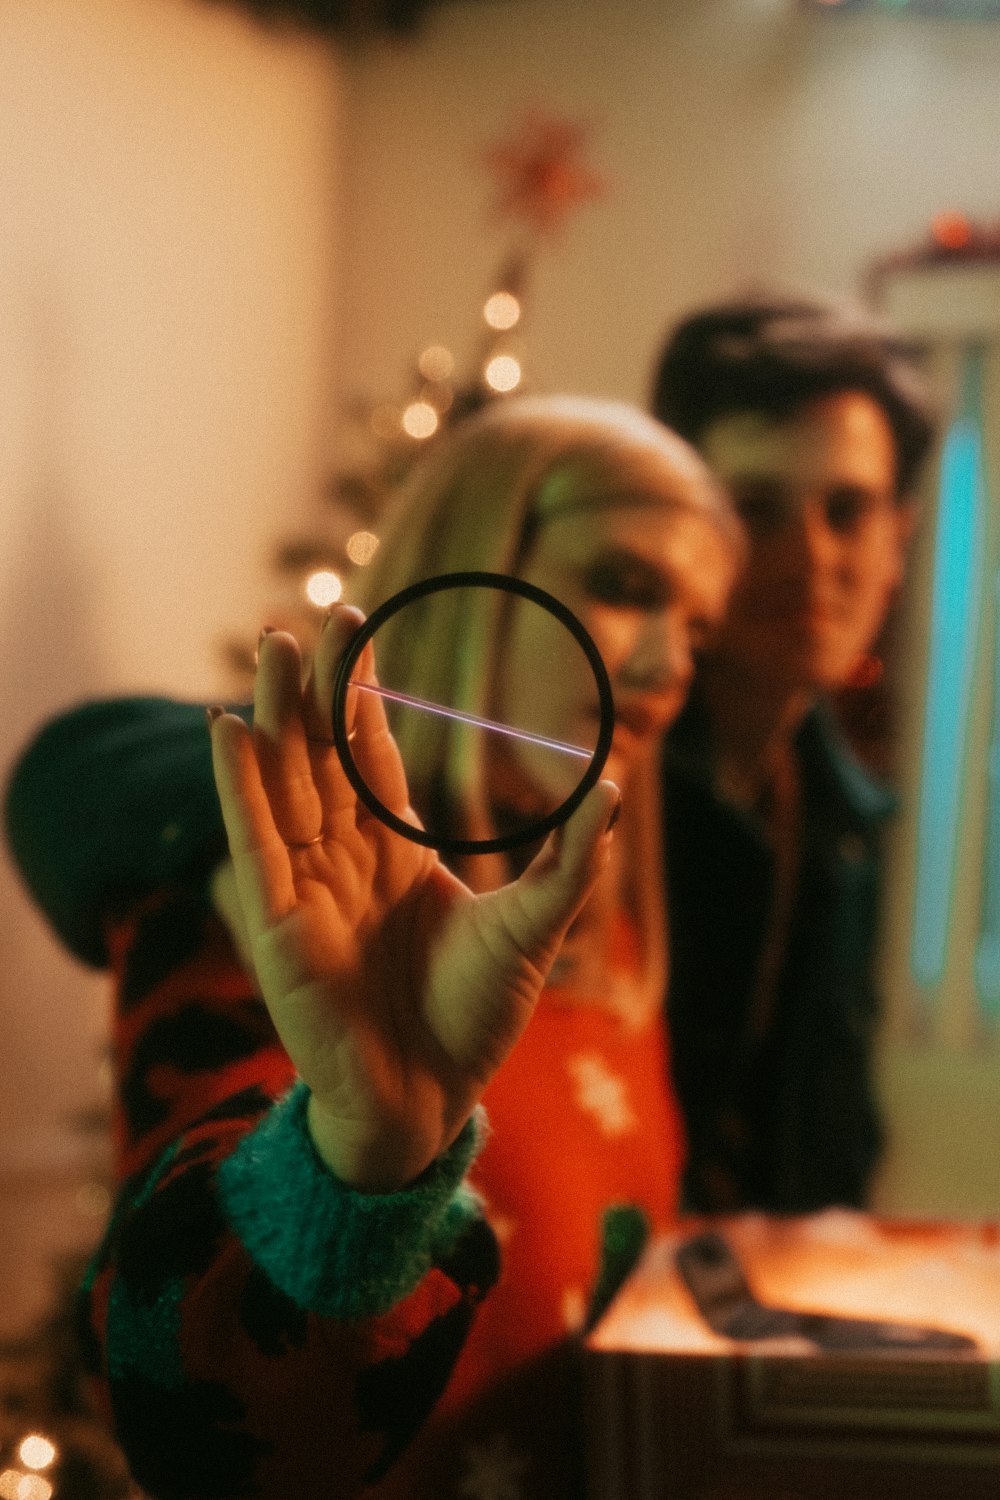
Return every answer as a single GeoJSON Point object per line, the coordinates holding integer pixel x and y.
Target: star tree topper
{"type": "Point", "coordinates": [541, 171]}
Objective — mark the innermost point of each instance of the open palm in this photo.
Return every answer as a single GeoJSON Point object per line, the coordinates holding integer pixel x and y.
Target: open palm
{"type": "Point", "coordinates": [396, 991]}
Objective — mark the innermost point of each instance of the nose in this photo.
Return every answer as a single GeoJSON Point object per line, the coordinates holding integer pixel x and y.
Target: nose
{"type": "Point", "coordinates": [661, 660]}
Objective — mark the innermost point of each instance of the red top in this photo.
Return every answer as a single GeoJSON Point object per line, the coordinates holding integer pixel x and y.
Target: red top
{"type": "Point", "coordinates": [243, 1351]}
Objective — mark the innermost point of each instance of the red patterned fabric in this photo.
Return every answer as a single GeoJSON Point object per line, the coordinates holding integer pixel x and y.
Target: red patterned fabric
{"type": "Point", "coordinates": [221, 1386]}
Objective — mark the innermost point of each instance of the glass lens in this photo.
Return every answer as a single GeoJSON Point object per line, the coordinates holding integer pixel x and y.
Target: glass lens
{"type": "Point", "coordinates": [496, 699]}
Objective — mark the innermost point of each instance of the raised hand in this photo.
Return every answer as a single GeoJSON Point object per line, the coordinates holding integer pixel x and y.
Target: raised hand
{"type": "Point", "coordinates": [396, 992]}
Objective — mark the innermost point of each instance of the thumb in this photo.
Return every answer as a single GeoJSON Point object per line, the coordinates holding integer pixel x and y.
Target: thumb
{"type": "Point", "coordinates": [561, 876]}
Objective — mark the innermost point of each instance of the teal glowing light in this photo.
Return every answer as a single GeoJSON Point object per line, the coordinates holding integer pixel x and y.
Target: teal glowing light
{"type": "Point", "coordinates": [958, 568]}
{"type": "Point", "coordinates": [988, 947]}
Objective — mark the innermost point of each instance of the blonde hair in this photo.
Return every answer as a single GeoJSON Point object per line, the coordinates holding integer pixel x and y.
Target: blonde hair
{"type": "Point", "coordinates": [476, 502]}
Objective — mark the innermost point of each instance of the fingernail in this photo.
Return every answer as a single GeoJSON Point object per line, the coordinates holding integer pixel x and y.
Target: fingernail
{"type": "Point", "coordinates": [267, 630]}
{"type": "Point", "coordinates": [615, 814]}
{"type": "Point", "coordinates": [213, 711]}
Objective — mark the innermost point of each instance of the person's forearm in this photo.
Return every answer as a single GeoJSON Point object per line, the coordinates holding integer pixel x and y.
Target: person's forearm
{"type": "Point", "coordinates": [244, 1301]}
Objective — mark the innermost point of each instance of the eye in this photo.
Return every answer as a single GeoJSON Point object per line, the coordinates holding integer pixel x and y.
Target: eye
{"type": "Point", "coordinates": [761, 506]}
{"type": "Point", "coordinates": [848, 508]}
{"type": "Point", "coordinates": [625, 581]}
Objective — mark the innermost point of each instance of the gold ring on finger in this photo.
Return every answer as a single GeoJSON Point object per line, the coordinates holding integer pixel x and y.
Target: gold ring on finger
{"type": "Point", "coordinates": [305, 843]}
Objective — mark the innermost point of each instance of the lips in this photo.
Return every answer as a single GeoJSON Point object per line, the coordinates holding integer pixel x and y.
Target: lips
{"type": "Point", "coordinates": [639, 719]}
{"type": "Point", "coordinates": [636, 721]}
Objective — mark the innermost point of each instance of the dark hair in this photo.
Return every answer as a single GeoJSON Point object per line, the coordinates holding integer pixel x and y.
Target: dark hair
{"type": "Point", "coordinates": [772, 354]}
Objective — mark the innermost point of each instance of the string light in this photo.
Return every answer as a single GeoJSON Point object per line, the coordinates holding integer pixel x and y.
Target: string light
{"type": "Point", "coordinates": [503, 373]}
{"type": "Point", "coordinates": [362, 547]}
{"type": "Point", "coordinates": [420, 420]}
{"type": "Point", "coordinates": [436, 362]}
{"type": "Point", "coordinates": [37, 1452]}
{"type": "Point", "coordinates": [324, 587]}
{"type": "Point", "coordinates": [34, 1487]}
{"type": "Point", "coordinates": [17, 1486]}
{"type": "Point", "coordinates": [502, 310]}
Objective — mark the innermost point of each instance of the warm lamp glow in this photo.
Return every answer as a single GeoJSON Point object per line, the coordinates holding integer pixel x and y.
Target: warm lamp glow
{"type": "Point", "coordinates": [36, 1451]}
{"type": "Point", "coordinates": [503, 373]}
{"type": "Point", "coordinates": [502, 310]}
{"type": "Point", "coordinates": [420, 420]}
{"type": "Point", "coordinates": [324, 587]}
{"type": "Point", "coordinates": [362, 547]}
{"type": "Point", "coordinates": [436, 362]}
{"type": "Point", "coordinates": [838, 1262]}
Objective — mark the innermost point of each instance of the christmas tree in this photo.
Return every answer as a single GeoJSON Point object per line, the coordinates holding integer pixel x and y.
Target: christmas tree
{"type": "Point", "coordinates": [542, 175]}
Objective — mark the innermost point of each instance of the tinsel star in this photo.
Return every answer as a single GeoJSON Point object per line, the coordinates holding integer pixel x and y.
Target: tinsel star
{"type": "Point", "coordinates": [541, 171]}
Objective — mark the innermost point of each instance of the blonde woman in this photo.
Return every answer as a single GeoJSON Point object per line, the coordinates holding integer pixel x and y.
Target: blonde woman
{"type": "Point", "coordinates": [289, 1283]}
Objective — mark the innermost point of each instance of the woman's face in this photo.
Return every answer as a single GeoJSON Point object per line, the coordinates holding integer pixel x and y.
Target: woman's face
{"type": "Point", "coordinates": [649, 580]}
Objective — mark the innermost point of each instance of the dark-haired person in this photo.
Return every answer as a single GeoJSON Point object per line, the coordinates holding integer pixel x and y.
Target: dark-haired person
{"type": "Point", "coordinates": [816, 420]}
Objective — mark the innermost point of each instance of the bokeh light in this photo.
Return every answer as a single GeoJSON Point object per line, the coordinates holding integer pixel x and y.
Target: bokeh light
{"type": "Point", "coordinates": [420, 420]}
{"type": "Point", "coordinates": [502, 310]}
{"type": "Point", "coordinates": [503, 373]}
{"type": "Point", "coordinates": [34, 1487]}
{"type": "Point", "coordinates": [324, 587]}
{"type": "Point", "coordinates": [436, 362]}
{"type": "Point", "coordinates": [362, 547]}
{"type": "Point", "coordinates": [17, 1486]}
{"type": "Point", "coordinates": [36, 1451]}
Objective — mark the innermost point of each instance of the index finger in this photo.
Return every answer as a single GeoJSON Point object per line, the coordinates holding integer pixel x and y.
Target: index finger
{"type": "Point", "coordinates": [260, 857]}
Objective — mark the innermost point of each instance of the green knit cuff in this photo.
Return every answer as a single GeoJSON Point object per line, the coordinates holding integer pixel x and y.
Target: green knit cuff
{"type": "Point", "coordinates": [335, 1251]}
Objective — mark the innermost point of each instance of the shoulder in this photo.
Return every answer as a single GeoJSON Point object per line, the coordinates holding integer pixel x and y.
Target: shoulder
{"type": "Point", "coordinates": [835, 778]}
{"type": "Point", "coordinates": [113, 796]}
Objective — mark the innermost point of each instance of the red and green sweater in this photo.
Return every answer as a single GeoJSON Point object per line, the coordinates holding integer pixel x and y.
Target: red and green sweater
{"type": "Point", "coordinates": [257, 1330]}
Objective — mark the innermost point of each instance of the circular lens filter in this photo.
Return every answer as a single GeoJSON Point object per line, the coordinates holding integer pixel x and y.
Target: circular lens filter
{"type": "Point", "coordinates": [551, 713]}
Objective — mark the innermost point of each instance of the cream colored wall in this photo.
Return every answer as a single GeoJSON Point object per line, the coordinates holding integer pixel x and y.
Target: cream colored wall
{"type": "Point", "coordinates": [168, 250]}
{"type": "Point", "coordinates": [744, 139]}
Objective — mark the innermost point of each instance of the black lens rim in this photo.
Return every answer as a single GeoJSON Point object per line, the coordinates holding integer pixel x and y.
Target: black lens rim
{"type": "Point", "coordinates": [438, 584]}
